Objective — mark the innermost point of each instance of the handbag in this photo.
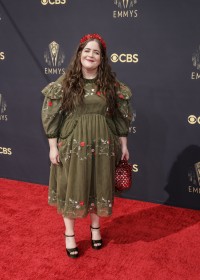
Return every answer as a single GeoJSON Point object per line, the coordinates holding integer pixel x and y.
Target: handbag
{"type": "Point", "coordinates": [123, 176]}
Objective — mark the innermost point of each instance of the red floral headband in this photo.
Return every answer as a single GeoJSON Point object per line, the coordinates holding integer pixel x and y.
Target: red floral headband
{"type": "Point", "coordinates": [93, 36]}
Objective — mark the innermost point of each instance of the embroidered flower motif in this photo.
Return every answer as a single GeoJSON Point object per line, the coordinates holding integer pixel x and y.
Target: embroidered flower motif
{"type": "Point", "coordinates": [121, 96]}
{"type": "Point", "coordinates": [81, 203]}
{"type": "Point", "coordinates": [59, 144]}
{"type": "Point", "coordinates": [98, 93]}
{"type": "Point", "coordinates": [50, 103]}
{"type": "Point", "coordinates": [97, 147]}
{"type": "Point", "coordinates": [92, 204]}
{"type": "Point", "coordinates": [82, 144]}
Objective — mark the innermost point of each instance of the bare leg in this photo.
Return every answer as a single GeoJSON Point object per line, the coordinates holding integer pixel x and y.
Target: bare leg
{"type": "Point", "coordinates": [69, 230]}
{"type": "Point", "coordinates": [95, 223]}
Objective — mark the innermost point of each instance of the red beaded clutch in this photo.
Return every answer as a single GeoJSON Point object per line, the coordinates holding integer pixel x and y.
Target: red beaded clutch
{"type": "Point", "coordinates": [123, 175]}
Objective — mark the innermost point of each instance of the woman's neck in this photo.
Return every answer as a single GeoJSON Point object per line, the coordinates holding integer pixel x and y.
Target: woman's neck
{"type": "Point", "coordinates": [89, 74]}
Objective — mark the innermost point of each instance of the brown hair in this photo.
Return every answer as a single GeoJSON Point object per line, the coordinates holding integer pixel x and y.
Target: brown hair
{"type": "Point", "coordinates": [73, 83]}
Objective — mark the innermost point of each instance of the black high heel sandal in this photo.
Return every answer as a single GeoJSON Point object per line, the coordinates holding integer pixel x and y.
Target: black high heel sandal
{"type": "Point", "coordinates": [94, 242]}
{"type": "Point", "coordinates": [72, 250]}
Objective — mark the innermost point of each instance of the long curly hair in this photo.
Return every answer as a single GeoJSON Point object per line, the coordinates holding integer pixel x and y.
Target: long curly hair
{"type": "Point", "coordinates": [73, 82]}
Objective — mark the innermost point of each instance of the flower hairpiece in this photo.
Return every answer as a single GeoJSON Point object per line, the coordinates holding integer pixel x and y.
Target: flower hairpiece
{"type": "Point", "coordinates": [93, 36]}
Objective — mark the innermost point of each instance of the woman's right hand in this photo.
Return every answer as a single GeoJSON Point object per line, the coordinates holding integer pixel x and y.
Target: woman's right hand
{"type": "Point", "coordinates": [54, 155]}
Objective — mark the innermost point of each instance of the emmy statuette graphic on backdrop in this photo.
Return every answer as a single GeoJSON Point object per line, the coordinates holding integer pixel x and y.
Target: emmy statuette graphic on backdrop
{"type": "Point", "coordinates": [194, 178]}
{"type": "Point", "coordinates": [196, 64]}
{"type": "Point", "coordinates": [3, 107]}
{"type": "Point", "coordinates": [196, 59]}
{"type": "Point", "coordinates": [125, 3]}
{"type": "Point", "coordinates": [54, 58]}
{"type": "Point", "coordinates": [126, 9]}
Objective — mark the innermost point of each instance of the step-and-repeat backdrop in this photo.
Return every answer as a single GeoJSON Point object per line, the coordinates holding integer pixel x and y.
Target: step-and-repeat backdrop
{"type": "Point", "coordinates": [153, 46]}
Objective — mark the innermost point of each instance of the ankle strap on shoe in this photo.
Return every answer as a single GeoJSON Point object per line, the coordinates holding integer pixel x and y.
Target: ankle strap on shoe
{"type": "Point", "coordinates": [94, 227]}
{"type": "Point", "coordinates": [69, 235]}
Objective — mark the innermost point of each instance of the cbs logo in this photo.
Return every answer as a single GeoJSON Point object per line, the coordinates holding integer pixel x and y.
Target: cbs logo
{"type": "Point", "coordinates": [124, 58]}
{"type": "Point", "coordinates": [193, 119]}
{"type": "Point", "coordinates": [53, 2]}
{"type": "Point", "coordinates": [5, 151]}
{"type": "Point", "coordinates": [2, 56]}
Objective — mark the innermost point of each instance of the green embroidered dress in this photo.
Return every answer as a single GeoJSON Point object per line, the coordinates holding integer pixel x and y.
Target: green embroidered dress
{"type": "Point", "coordinates": [89, 149]}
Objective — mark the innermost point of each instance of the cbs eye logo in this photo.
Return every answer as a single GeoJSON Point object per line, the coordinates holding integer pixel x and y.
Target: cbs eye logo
{"type": "Point", "coordinates": [53, 2]}
{"type": "Point", "coordinates": [193, 119]}
{"type": "Point", "coordinates": [124, 58]}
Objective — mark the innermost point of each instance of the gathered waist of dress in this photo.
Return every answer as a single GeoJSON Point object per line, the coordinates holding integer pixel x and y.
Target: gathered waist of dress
{"type": "Point", "coordinates": [78, 116]}
{"type": "Point", "coordinates": [70, 123]}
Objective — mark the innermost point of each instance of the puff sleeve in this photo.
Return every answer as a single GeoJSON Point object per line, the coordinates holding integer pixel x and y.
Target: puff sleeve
{"type": "Point", "coordinates": [124, 113]}
{"type": "Point", "coordinates": [52, 114]}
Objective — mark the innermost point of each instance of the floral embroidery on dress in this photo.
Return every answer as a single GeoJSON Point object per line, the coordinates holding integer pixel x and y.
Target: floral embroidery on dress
{"type": "Point", "coordinates": [73, 208]}
{"type": "Point", "coordinates": [121, 96]}
{"type": "Point", "coordinates": [89, 90]}
{"type": "Point", "coordinates": [125, 110]}
{"type": "Point", "coordinates": [104, 206]}
{"type": "Point", "coordinates": [60, 144]}
{"type": "Point", "coordinates": [85, 150]}
{"type": "Point", "coordinates": [92, 91]}
{"type": "Point", "coordinates": [89, 93]}
{"type": "Point", "coordinates": [50, 103]}
{"type": "Point", "coordinates": [105, 203]}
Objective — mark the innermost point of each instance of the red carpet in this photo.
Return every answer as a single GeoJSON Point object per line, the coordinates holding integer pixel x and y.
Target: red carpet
{"type": "Point", "coordinates": [142, 240]}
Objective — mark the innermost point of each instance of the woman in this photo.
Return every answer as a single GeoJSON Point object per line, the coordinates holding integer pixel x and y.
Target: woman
{"type": "Point", "coordinates": [86, 116]}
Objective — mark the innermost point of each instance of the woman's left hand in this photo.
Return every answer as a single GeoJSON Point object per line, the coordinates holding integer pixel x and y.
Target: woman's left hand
{"type": "Point", "coordinates": [125, 153]}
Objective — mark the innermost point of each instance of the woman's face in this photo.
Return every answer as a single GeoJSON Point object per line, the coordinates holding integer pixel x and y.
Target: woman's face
{"type": "Point", "coordinates": [91, 56]}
